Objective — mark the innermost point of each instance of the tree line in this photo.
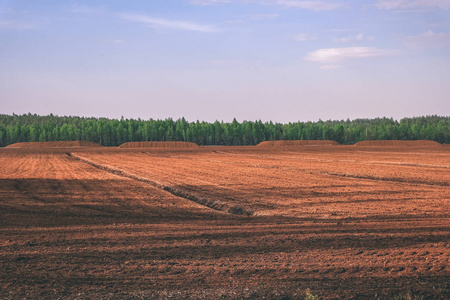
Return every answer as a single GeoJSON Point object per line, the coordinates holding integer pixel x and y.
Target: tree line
{"type": "Point", "coordinates": [112, 132]}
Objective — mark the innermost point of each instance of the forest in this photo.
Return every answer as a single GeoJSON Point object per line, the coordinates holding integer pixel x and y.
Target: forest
{"type": "Point", "coordinates": [113, 132]}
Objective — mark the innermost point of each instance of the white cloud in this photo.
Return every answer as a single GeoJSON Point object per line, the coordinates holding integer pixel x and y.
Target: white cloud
{"type": "Point", "coordinates": [412, 4]}
{"type": "Point", "coordinates": [314, 5]}
{"type": "Point", "coordinates": [310, 5]}
{"type": "Point", "coordinates": [429, 39]}
{"type": "Point", "coordinates": [15, 25]}
{"type": "Point", "coordinates": [353, 38]}
{"type": "Point", "coordinates": [168, 24]}
{"type": "Point", "coordinates": [303, 37]}
{"type": "Point", "coordinates": [334, 55]}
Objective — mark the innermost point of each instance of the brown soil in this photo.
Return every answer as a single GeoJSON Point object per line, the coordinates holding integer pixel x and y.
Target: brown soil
{"type": "Point", "coordinates": [345, 222]}
{"type": "Point", "coordinates": [56, 144]}
{"type": "Point", "coordinates": [158, 145]}
{"type": "Point", "coordinates": [297, 143]}
{"type": "Point", "coordinates": [399, 143]}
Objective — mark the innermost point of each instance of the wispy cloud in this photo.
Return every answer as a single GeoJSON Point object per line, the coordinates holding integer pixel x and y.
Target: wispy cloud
{"type": "Point", "coordinates": [353, 38]}
{"type": "Point", "coordinates": [159, 23]}
{"type": "Point", "coordinates": [314, 5]}
{"type": "Point", "coordinates": [5, 10]}
{"type": "Point", "coordinates": [303, 37]}
{"type": "Point", "coordinates": [310, 5]}
{"type": "Point", "coordinates": [429, 39]}
{"type": "Point", "coordinates": [15, 25]}
{"type": "Point", "coordinates": [412, 4]}
{"type": "Point", "coordinates": [334, 55]}
{"type": "Point", "coordinates": [253, 17]}
{"type": "Point", "coordinates": [82, 9]}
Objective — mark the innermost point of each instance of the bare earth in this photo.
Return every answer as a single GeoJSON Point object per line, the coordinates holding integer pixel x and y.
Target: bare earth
{"type": "Point", "coordinates": [225, 222]}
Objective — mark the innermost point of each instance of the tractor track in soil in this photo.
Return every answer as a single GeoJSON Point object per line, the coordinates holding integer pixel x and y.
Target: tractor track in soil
{"type": "Point", "coordinates": [213, 204]}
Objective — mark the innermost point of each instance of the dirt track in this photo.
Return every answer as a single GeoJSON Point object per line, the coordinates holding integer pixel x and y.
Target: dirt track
{"type": "Point", "coordinates": [361, 223]}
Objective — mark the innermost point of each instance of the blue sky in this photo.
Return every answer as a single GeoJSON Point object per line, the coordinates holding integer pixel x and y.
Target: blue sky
{"type": "Point", "coordinates": [279, 60]}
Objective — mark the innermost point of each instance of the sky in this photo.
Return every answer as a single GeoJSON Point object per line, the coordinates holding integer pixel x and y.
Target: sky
{"type": "Point", "coordinates": [207, 60]}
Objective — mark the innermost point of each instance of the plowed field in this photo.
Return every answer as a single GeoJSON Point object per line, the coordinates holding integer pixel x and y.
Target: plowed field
{"type": "Point", "coordinates": [225, 222]}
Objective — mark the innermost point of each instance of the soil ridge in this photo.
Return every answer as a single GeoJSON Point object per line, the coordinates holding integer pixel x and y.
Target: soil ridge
{"type": "Point", "coordinates": [152, 144]}
{"type": "Point", "coordinates": [282, 143]}
{"type": "Point", "coordinates": [407, 143]}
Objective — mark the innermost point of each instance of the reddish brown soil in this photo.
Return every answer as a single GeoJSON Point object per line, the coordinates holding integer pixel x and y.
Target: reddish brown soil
{"type": "Point", "coordinates": [297, 143]}
{"type": "Point", "coordinates": [398, 143]}
{"type": "Point", "coordinates": [57, 144]}
{"type": "Point", "coordinates": [158, 145]}
{"type": "Point", "coordinates": [344, 222]}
